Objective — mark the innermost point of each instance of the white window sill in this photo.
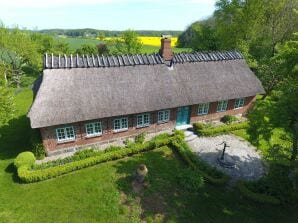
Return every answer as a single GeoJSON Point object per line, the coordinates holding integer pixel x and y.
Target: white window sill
{"type": "Point", "coordinates": [65, 141]}
{"type": "Point", "coordinates": [120, 130]}
{"type": "Point", "coordinates": [162, 122]}
{"type": "Point", "coordinates": [238, 108]}
{"type": "Point", "coordinates": [203, 114]}
{"type": "Point", "coordinates": [93, 135]}
{"type": "Point", "coordinates": [143, 126]}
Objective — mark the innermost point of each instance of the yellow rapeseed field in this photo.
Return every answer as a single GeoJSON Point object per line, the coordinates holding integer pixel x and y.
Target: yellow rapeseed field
{"type": "Point", "coordinates": [149, 40]}
{"type": "Point", "coordinates": [155, 41]}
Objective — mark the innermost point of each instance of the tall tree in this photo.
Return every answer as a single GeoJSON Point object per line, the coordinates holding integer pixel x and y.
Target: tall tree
{"type": "Point", "coordinates": [128, 43]}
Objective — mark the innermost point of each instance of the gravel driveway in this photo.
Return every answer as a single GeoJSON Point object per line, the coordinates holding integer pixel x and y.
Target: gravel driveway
{"type": "Point", "coordinates": [249, 165]}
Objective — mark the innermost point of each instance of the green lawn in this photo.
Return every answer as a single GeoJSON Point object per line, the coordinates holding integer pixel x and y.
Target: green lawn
{"type": "Point", "coordinates": [103, 193]}
{"type": "Point", "coordinates": [75, 43]}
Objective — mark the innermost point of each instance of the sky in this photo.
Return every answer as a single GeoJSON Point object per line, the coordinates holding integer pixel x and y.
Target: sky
{"type": "Point", "coordinates": [104, 14]}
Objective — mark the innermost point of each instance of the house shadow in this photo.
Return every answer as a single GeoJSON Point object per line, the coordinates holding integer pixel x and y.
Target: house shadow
{"type": "Point", "coordinates": [14, 138]}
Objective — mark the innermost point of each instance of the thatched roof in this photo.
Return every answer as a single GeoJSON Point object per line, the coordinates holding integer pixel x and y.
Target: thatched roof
{"type": "Point", "coordinates": [68, 95]}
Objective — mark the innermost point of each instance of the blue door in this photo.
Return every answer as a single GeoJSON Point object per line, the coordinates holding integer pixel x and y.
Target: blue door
{"type": "Point", "coordinates": [183, 115]}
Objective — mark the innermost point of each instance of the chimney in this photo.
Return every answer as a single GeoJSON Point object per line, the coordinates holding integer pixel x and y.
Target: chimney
{"type": "Point", "coordinates": [165, 47]}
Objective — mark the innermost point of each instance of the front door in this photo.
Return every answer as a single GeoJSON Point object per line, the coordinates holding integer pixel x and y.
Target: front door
{"type": "Point", "coordinates": [183, 115]}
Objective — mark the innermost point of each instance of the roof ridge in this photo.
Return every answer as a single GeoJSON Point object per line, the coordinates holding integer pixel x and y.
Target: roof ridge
{"type": "Point", "coordinates": [88, 61]}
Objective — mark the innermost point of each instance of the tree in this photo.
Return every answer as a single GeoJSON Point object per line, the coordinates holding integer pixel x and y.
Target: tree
{"type": "Point", "coordinates": [61, 47]}
{"type": "Point", "coordinates": [6, 101]}
{"type": "Point", "coordinates": [17, 51]}
{"type": "Point", "coordinates": [102, 49]}
{"type": "Point", "coordinates": [87, 49]}
{"type": "Point", "coordinates": [280, 111]}
{"type": "Point", "coordinates": [128, 43]}
{"type": "Point", "coordinates": [199, 36]}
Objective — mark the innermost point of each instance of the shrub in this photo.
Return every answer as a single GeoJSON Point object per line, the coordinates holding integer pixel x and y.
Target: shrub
{"type": "Point", "coordinates": [190, 180]}
{"type": "Point", "coordinates": [213, 131]}
{"type": "Point", "coordinates": [228, 119]}
{"type": "Point", "coordinates": [199, 126]}
{"type": "Point", "coordinates": [112, 148]}
{"type": "Point", "coordinates": [29, 175]}
{"type": "Point", "coordinates": [257, 197]}
{"type": "Point", "coordinates": [140, 138]}
{"type": "Point", "coordinates": [36, 144]}
{"type": "Point", "coordinates": [38, 150]}
{"type": "Point", "coordinates": [210, 174]}
{"type": "Point", "coordinates": [24, 159]}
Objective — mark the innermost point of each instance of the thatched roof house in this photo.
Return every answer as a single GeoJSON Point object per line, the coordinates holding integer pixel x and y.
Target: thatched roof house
{"type": "Point", "coordinates": [79, 89]}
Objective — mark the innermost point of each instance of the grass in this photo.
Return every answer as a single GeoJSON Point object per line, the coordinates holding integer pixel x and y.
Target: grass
{"type": "Point", "coordinates": [75, 43]}
{"type": "Point", "coordinates": [103, 193]}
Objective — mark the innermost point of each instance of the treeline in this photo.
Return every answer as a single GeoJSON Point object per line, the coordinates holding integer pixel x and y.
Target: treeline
{"type": "Point", "coordinates": [105, 33]}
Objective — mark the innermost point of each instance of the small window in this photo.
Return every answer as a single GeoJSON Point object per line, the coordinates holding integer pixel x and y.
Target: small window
{"type": "Point", "coordinates": [143, 120]}
{"type": "Point", "coordinates": [203, 109]}
{"type": "Point", "coordinates": [239, 102]}
{"type": "Point", "coordinates": [222, 106]}
{"type": "Point", "coordinates": [65, 134]}
{"type": "Point", "coordinates": [163, 116]}
{"type": "Point", "coordinates": [93, 129]}
{"type": "Point", "coordinates": [120, 124]}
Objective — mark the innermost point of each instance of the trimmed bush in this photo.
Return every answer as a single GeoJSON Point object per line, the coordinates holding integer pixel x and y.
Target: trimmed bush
{"type": "Point", "coordinates": [24, 159]}
{"type": "Point", "coordinates": [28, 175]}
{"type": "Point", "coordinates": [257, 197]}
{"type": "Point", "coordinates": [213, 131]}
{"type": "Point", "coordinates": [210, 174]}
{"type": "Point", "coordinates": [228, 119]}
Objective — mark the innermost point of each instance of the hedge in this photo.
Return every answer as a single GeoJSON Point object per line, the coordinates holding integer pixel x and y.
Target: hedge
{"type": "Point", "coordinates": [257, 197]}
{"type": "Point", "coordinates": [28, 175]}
{"type": "Point", "coordinates": [24, 159]}
{"type": "Point", "coordinates": [213, 131]}
{"type": "Point", "coordinates": [198, 165]}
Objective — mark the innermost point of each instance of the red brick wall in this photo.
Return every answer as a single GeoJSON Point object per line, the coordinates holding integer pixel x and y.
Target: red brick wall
{"type": "Point", "coordinates": [213, 115]}
{"type": "Point", "coordinates": [51, 144]}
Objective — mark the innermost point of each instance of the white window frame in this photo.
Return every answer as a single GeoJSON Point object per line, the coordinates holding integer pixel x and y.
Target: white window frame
{"type": "Point", "coordinates": [239, 103]}
{"type": "Point", "coordinates": [143, 120]}
{"type": "Point", "coordinates": [68, 136]}
{"type": "Point", "coordinates": [222, 106]}
{"type": "Point", "coordinates": [122, 127]}
{"type": "Point", "coordinates": [163, 116]}
{"type": "Point", "coordinates": [203, 109]}
{"type": "Point", "coordinates": [93, 126]}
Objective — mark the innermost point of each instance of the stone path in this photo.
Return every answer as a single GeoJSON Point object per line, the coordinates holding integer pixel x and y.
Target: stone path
{"type": "Point", "coordinates": [249, 165]}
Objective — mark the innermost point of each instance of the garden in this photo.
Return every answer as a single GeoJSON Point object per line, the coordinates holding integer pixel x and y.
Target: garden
{"type": "Point", "coordinates": [103, 192]}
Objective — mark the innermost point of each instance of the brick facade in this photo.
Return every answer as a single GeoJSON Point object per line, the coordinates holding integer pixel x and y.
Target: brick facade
{"type": "Point", "coordinates": [108, 135]}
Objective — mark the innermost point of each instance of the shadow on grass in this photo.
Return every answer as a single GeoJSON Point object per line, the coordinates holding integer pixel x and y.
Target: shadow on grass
{"type": "Point", "coordinates": [14, 137]}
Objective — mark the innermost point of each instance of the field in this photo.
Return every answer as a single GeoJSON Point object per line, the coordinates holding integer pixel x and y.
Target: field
{"type": "Point", "coordinates": [103, 193]}
{"type": "Point", "coordinates": [150, 44]}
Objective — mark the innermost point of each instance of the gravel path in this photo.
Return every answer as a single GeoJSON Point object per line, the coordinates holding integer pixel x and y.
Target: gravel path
{"type": "Point", "coordinates": [249, 165]}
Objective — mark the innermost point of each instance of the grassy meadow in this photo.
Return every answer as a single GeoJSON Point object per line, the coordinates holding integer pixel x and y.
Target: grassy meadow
{"type": "Point", "coordinates": [104, 193]}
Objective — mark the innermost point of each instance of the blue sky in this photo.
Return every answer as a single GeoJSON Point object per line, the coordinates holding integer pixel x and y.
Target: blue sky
{"type": "Point", "coordinates": [104, 14]}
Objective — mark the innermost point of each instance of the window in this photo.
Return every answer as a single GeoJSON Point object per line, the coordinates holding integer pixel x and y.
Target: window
{"type": "Point", "coordinates": [203, 109]}
{"type": "Point", "coordinates": [65, 134]}
{"type": "Point", "coordinates": [93, 129]}
{"type": "Point", "coordinates": [239, 102]}
{"type": "Point", "coordinates": [222, 106]}
{"type": "Point", "coordinates": [120, 124]}
{"type": "Point", "coordinates": [163, 116]}
{"type": "Point", "coordinates": [143, 120]}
